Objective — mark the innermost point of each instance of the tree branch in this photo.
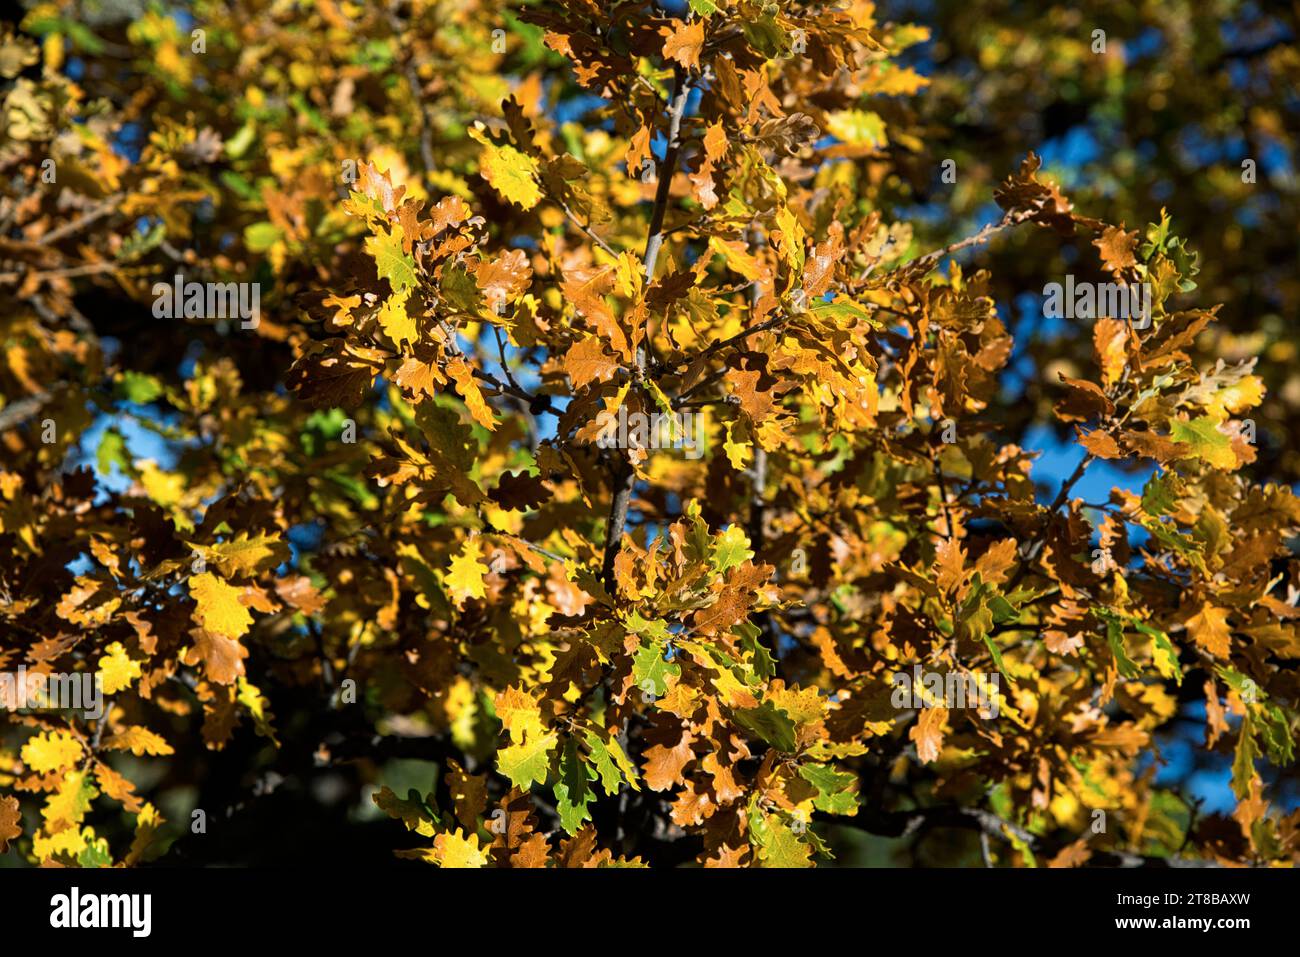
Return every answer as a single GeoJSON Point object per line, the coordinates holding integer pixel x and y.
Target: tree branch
{"type": "Point", "coordinates": [655, 239]}
{"type": "Point", "coordinates": [624, 476]}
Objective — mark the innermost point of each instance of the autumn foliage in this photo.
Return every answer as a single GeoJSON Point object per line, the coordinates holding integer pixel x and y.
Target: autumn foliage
{"type": "Point", "coordinates": [376, 523]}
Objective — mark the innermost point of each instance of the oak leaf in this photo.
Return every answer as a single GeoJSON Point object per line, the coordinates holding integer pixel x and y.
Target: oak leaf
{"type": "Point", "coordinates": [1209, 629]}
{"type": "Point", "coordinates": [218, 608]}
{"type": "Point", "coordinates": [684, 42]}
{"type": "Point", "coordinates": [11, 821]}
{"type": "Point", "coordinates": [465, 576]}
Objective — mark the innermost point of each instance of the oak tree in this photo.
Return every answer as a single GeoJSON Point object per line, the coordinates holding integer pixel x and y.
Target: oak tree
{"type": "Point", "coordinates": [562, 393]}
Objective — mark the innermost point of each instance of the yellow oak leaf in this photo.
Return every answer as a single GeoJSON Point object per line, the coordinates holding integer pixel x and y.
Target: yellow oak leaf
{"type": "Point", "coordinates": [69, 804]}
{"type": "Point", "coordinates": [139, 741]}
{"type": "Point", "coordinates": [244, 554]}
{"type": "Point", "coordinates": [1236, 398]}
{"type": "Point", "coordinates": [117, 670]}
{"type": "Point", "coordinates": [459, 850]}
{"type": "Point", "coordinates": [465, 578]}
{"type": "Point", "coordinates": [219, 609]}
{"type": "Point", "coordinates": [70, 841]}
{"type": "Point", "coordinates": [519, 713]}
{"type": "Point", "coordinates": [147, 824]}
{"type": "Point", "coordinates": [398, 324]}
{"type": "Point", "coordinates": [803, 706]}
{"type": "Point", "coordinates": [467, 385]}
{"type": "Point", "coordinates": [51, 751]}
{"type": "Point", "coordinates": [165, 488]}
{"type": "Point", "coordinates": [512, 174]}
{"type": "Point", "coordinates": [858, 127]}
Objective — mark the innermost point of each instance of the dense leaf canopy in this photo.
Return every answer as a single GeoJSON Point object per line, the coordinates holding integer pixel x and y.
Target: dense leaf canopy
{"type": "Point", "coordinates": [332, 333]}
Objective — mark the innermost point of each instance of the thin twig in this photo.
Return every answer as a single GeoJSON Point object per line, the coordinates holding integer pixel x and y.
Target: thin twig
{"type": "Point", "coordinates": [655, 239]}
{"type": "Point", "coordinates": [69, 272]}
{"type": "Point", "coordinates": [622, 474]}
{"type": "Point", "coordinates": [585, 228]}
{"type": "Point", "coordinates": [101, 209]}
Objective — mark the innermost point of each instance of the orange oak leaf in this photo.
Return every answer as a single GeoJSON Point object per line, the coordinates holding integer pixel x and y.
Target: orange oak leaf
{"type": "Point", "coordinates": [684, 42]}
{"type": "Point", "coordinates": [1209, 629]}
{"type": "Point", "coordinates": [1116, 247]}
{"type": "Point", "coordinates": [927, 733]}
{"type": "Point", "coordinates": [10, 821]}
{"type": "Point", "coordinates": [587, 361]}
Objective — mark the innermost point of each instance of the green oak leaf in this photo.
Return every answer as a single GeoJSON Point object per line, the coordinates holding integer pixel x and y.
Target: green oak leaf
{"type": "Point", "coordinates": [1207, 443]}
{"type": "Point", "coordinates": [1161, 493]}
{"type": "Point", "coordinates": [573, 791]}
{"type": "Point", "coordinates": [770, 723]}
{"type": "Point", "coordinates": [390, 261]}
{"type": "Point", "coordinates": [730, 549]}
{"type": "Point", "coordinates": [834, 788]}
{"type": "Point", "coordinates": [648, 665]}
{"type": "Point", "coordinates": [526, 764]}
{"type": "Point", "coordinates": [1243, 761]}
